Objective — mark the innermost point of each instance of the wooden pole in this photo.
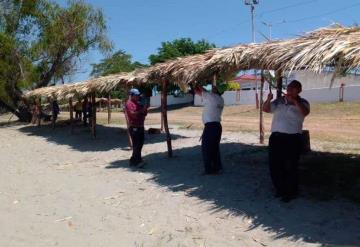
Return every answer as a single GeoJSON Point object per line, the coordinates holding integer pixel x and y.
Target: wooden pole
{"type": "Point", "coordinates": [52, 115]}
{"type": "Point", "coordinates": [71, 115]}
{"type": "Point", "coordinates": [93, 115]}
{"type": "Point", "coordinates": [127, 119]}
{"type": "Point", "coordinates": [214, 80]}
{"type": "Point", "coordinates": [39, 113]}
{"type": "Point", "coordinates": [109, 108]}
{"type": "Point", "coordinates": [278, 76]}
{"type": "Point", "coordinates": [261, 126]}
{"type": "Point", "coordinates": [164, 114]}
{"type": "Point", "coordinates": [256, 93]}
{"type": "Point", "coordinates": [161, 114]}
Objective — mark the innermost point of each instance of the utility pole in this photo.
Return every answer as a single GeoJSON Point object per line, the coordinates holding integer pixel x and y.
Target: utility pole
{"type": "Point", "coordinates": [269, 25]}
{"type": "Point", "coordinates": [252, 4]}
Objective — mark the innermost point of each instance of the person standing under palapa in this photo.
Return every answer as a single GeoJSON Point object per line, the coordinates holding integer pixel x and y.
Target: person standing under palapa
{"type": "Point", "coordinates": [84, 110]}
{"type": "Point", "coordinates": [55, 110]}
{"type": "Point", "coordinates": [78, 110]}
{"type": "Point", "coordinates": [136, 113]}
{"type": "Point", "coordinates": [210, 140]}
{"type": "Point", "coordinates": [285, 142]}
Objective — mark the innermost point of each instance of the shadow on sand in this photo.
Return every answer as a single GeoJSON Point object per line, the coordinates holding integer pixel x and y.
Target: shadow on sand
{"type": "Point", "coordinates": [245, 189]}
{"type": "Point", "coordinates": [108, 137]}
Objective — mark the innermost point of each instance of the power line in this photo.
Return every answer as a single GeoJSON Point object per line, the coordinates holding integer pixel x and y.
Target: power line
{"type": "Point", "coordinates": [287, 7]}
{"type": "Point", "coordinates": [261, 14]}
{"type": "Point", "coordinates": [321, 15]}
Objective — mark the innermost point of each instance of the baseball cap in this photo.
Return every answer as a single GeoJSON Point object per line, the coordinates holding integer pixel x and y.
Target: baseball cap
{"type": "Point", "coordinates": [134, 91]}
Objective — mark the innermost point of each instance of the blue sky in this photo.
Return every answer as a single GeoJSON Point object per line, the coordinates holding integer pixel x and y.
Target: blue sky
{"type": "Point", "coordinates": [139, 26]}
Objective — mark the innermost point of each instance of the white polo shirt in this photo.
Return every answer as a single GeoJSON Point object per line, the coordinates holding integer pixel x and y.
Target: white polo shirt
{"type": "Point", "coordinates": [287, 117]}
{"type": "Point", "coordinates": [213, 107]}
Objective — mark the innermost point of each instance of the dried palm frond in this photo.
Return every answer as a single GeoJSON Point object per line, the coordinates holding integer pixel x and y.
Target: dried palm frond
{"type": "Point", "coordinates": [335, 46]}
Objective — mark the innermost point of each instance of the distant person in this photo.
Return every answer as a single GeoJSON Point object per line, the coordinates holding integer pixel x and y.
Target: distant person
{"type": "Point", "coordinates": [136, 113]}
{"type": "Point", "coordinates": [55, 110]}
{"type": "Point", "coordinates": [34, 112]}
{"type": "Point", "coordinates": [211, 117]}
{"type": "Point", "coordinates": [78, 110]}
{"type": "Point", "coordinates": [89, 113]}
{"type": "Point", "coordinates": [285, 143]}
{"type": "Point", "coordinates": [37, 112]}
{"type": "Point", "coordinates": [84, 110]}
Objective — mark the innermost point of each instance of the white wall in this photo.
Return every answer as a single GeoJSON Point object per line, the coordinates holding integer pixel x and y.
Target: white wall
{"type": "Point", "coordinates": [247, 97]}
{"type": "Point", "coordinates": [155, 101]}
{"type": "Point", "coordinates": [311, 80]}
{"type": "Point", "coordinates": [230, 98]}
{"type": "Point", "coordinates": [351, 93]}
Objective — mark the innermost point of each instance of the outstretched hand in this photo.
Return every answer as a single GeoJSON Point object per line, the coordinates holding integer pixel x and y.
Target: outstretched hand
{"type": "Point", "coordinates": [198, 90]}
{"type": "Point", "coordinates": [270, 96]}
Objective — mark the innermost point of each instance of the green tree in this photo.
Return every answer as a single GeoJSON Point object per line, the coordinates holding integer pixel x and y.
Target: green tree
{"type": "Point", "coordinates": [41, 42]}
{"type": "Point", "coordinates": [179, 48]}
{"type": "Point", "coordinates": [120, 61]}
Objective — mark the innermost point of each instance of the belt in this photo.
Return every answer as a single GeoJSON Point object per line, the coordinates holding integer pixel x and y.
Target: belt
{"type": "Point", "coordinates": [212, 123]}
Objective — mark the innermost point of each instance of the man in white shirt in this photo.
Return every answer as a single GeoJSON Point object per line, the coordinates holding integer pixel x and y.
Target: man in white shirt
{"type": "Point", "coordinates": [285, 142]}
{"type": "Point", "coordinates": [210, 143]}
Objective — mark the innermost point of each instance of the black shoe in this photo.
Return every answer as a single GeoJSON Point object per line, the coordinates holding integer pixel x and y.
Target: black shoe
{"type": "Point", "coordinates": [218, 172]}
{"type": "Point", "coordinates": [212, 173]}
{"type": "Point", "coordinates": [141, 164]}
{"type": "Point", "coordinates": [133, 162]}
{"type": "Point", "coordinates": [288, 198]}
{"type": "Point", "coordinates": [277, 195]}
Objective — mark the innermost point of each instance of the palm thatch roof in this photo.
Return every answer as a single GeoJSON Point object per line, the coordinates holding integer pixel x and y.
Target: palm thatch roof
{"type": "Point", "coordinates": [334, 46]}
{"type": "Point", "coordinates": [100, 84]}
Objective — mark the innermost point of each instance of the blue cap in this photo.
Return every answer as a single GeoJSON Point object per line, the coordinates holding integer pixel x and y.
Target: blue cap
{"type": "Point", "coordinates": [134, 92]}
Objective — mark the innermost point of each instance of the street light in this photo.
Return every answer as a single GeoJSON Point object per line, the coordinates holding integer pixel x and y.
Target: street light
{"type": "Point", "coordinates": [269, 25]}
{"type": "Point", "coordinates": [252, 4]}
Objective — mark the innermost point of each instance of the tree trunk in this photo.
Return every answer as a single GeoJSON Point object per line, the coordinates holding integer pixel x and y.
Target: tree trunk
{"type": "Point", "coordinates": [22, 112]}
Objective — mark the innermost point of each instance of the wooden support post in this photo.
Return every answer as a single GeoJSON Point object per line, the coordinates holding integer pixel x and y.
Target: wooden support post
{"type": "Point", "coordinates": [164, 114]}
{"type": "Point", "coordinates": [93, 115]}
{"type": "Point", "coordinates": [71, 115]}
{"type": "Point", "coordinates": [261, 125]}
{"type": "Point", "coordinates": [161, 112]}
{"type": "Point", "coordinates": [214, 80]}
{"type": "Point", "coordinates": [278, 76]}
{"type": "Point", "coordinates": [127, 119]}
{"type": "Point", "coordinates": [39, 112]}
{"type": "Point", "coordinates": [109, 108]}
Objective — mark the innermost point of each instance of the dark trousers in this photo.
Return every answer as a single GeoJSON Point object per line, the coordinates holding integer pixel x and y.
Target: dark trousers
{"type": "Point", "coordinates": [84, 118]}
{"type": "Point", "coordinates": [137, 138]}
{"type": "Point", "coordinates": [284, 154]}
{"type": "Point", "coordinates": [210, 146]}
{"type": "Point", "coordinates": [78, 114]}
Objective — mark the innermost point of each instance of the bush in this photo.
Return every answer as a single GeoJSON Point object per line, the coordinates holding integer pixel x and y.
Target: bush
{"type": "Point", "coordinates": [232, 86]}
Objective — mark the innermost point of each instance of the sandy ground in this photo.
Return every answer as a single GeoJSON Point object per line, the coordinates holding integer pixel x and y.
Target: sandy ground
{"type": "Point", "coordinates": [58, 189]}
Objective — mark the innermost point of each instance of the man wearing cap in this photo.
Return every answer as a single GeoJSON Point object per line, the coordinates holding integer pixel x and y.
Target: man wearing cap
{"type": "Point", "coordinates": [285, 142]}
{"type": "Point", "coordinates": [210, 142]}
{"type": "Point", "coordinates": [136, 114]}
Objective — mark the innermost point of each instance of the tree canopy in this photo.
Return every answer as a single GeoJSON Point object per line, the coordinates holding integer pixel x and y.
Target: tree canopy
{"type": "Point", "coordinates": [120, 61]}
{"type": "Point", "coordinates": [179, 48]}
{"type": "Point", "coordinates": [41, 42]}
